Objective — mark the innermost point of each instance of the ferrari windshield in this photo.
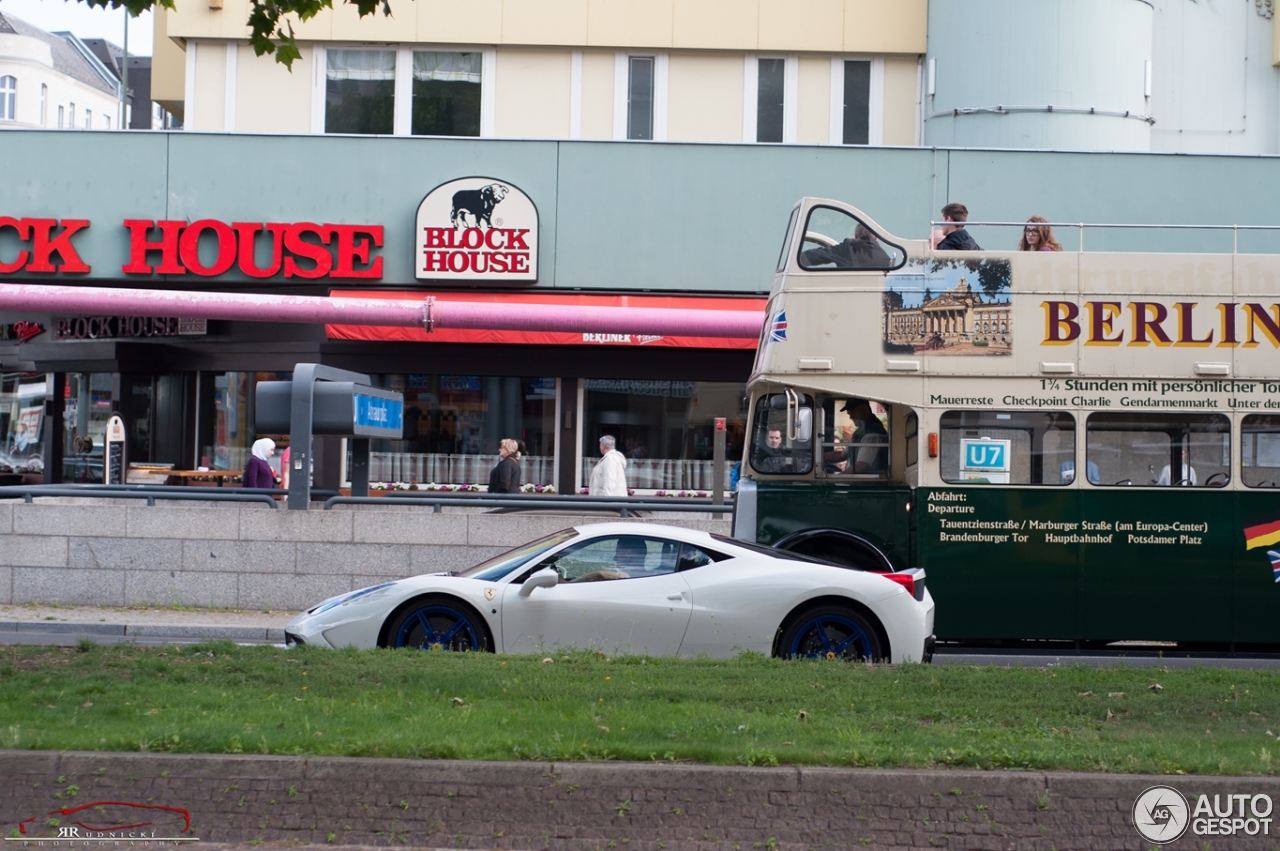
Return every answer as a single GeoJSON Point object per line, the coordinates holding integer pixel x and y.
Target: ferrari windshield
{"type": "Point", "coordinates": [500, 565]}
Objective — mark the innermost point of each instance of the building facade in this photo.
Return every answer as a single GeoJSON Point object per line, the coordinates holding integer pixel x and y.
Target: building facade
{"type": "Point", "coordinates": [53, 80]}
{"type": "Point", "coordinates": [844, 72]}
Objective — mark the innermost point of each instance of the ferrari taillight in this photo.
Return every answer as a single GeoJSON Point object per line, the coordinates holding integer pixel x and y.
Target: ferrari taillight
{"type": "Point", "coordinates": [906, 580]}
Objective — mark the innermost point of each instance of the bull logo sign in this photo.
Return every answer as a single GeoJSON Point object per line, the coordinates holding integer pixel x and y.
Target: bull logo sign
{"type": "Point", "coordinates": [477, 229]}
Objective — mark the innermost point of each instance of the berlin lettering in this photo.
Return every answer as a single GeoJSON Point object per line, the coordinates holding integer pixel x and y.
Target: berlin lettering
{"type": "Point", "coordinates": [300, 250]}
{"type": "Point", "coordinates": [483, 251]}
{"type": "Point", "coordinates": [1147, 323]}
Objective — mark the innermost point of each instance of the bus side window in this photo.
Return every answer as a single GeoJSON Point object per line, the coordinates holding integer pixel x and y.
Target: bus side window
{"type": "Point", "coordinates": [1260, 451]}
{"type": "Point", "coordinates": [777, 449]}
{"type": "Point", "coordinates": [1160, 450]}
{"type": "Point", "coordinates": [836, 241]}
{"type": "Point", "coordinates": [1008, 447]}
{"type": "Point", "coordinates": [855, 437]}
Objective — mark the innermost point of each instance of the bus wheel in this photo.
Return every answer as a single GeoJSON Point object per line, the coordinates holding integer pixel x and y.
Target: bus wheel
{"type": "Point", "coordinates": [831, 632]}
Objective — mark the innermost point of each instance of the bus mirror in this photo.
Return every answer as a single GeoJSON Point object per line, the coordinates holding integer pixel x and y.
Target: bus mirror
{"type": "Point", "coordinates": [804, 425]}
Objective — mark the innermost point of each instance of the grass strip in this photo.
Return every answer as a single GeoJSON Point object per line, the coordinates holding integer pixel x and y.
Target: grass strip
{"type": "Point", "coordinates": [752, 710]}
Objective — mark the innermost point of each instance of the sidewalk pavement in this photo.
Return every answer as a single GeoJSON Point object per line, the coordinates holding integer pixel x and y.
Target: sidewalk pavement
{"type": "Point", "coordinates": [107, 624]}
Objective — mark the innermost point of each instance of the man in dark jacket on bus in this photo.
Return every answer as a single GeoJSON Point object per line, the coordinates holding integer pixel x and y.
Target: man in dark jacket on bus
{"type": "Point", "coordinates": [955, 237]}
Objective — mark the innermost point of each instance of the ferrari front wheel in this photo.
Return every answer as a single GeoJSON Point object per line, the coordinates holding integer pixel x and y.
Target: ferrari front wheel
{"type": "Point", "coordinates": [439, 624]}
{"type": "Point", "coordinates": [831, 632]}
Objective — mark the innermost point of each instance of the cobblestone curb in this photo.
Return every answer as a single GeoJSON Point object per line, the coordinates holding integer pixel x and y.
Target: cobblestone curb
{"type": "Point", "coordinates": [244, 800]}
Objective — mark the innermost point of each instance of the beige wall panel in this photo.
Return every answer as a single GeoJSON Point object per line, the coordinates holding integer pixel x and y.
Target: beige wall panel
{"type": "Point", "coordinates": [704, 98]}
{"type": "Point", "coordinates": [270, 99]}
{"type": "Point", "coordinates": [168, 62]}
{"type": "Point", "coordinates": [885, 26]}
{"type": "Point", "coordinates": [194, 18]}
{"type": "Point", "coordinates": [813, 109]}
{"type": "Point", "coordinates": [803, 25]}
{"type": "Point", "coordinates": [629, 23]}
{"type": "Point", "coordinates": [211, 86]}
{"type": "Point", "coordinates": [532, 97]}
{"type": "Point", "coordinates": [597, 95]}
{"type": "Point", "coordinates": [900, 91]}
{"type": "Point", "coordinates": [450, 22]}
{"type": "Point", "coordinates": [712, 24]}
{"type": "Point", "coordinates": [544, 22]}
{"type": "Point", "coordinates": [402, 25]}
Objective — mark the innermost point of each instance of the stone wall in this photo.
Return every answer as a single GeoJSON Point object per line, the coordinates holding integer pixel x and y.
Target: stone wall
{"type": "Point", "coordinates": [333, 802]}
{"type": "Point", "coordinates": [233, 555]}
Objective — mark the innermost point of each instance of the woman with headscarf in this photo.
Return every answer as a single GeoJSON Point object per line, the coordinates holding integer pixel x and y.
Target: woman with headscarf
{"type": "Point", "coordinates": [258, 473]}
{"type": "Point", "coordinates": [505, 476]}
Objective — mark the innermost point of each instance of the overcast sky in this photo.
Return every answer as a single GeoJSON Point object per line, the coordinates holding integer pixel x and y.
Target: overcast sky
{"type": "Point", "coordinates": [55, 15]}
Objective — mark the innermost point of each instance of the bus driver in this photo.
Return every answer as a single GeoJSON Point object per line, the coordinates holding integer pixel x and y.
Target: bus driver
{"type": "Point", "coordinates": [771, 457]}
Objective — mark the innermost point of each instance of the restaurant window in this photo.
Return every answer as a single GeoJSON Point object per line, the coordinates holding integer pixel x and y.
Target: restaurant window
{"type": "Point", "coordinates": [1159, 450]}
{"type": "Point", "coordinates": [770, 98]}
{"type": "Point", "coordinates": [87, 405]}
{"type": "Point", "coordinates": [1260, 451]}
{"type": "Point", "coordinates": [640, 83]}
{"type": "Point", "coordinates": [360, 88]}
{"type": "Point", "coordinates": [1008, 447]}
{"type": "Point", "coordinates": [446, 93]}
{"type": "Point", "coordinates": [665, 429]}
{"type": "Point", "coordinates": [234, 431]}
{"type": "Point", "coordinates": [453, 425]}
{"type": "Point", "coordinates": [857, 101]}
{"type": "Point", "coordinates": [8, 98]}
{"type": "Point", "coordinates": [22, 396]}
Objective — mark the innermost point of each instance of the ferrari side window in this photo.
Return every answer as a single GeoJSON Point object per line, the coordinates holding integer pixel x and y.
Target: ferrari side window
{"type": "Point", "coordinates": [691, 557]}
{"type": "Point", "coordinates": [617, 557]}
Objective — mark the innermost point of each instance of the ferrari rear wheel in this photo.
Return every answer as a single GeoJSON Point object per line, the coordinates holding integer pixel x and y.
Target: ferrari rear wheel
{"type": "Point", "coordinates": [831, 632]}
{"type": "Point", "coordinates": [439, 624]}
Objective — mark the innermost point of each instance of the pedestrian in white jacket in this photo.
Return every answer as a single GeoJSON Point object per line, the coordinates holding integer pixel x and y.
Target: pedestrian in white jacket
{"type": "Point", "coordinates": [609, 478]}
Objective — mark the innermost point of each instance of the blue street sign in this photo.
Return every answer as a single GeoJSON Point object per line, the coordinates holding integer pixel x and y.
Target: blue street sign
{"type": "Point", "coordinates": [378, 417]}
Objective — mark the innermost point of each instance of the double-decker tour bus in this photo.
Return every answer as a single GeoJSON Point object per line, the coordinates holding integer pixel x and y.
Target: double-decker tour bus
{"type": "Point", "coordinates": [1078, 446]}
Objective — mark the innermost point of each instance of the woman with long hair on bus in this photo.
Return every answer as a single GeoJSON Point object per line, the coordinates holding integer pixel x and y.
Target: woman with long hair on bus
{"type": "Point", "coordinates": [1038, 236]}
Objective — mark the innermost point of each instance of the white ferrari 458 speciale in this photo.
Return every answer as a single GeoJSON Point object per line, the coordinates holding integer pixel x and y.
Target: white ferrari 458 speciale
{"type": "Point", "coordinates": [639, 589]}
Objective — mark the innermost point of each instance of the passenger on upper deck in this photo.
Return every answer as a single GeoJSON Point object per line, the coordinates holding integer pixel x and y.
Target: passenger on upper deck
{"type": "Point", "coordinates": [861, 251]}
{"type": "Point", "coordinates": [955, 237]}
{"type": "Point", "coordinates": [1038, 236]}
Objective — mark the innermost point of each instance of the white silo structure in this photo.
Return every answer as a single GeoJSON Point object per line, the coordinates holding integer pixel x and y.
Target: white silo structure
{"type": "Point", "coordinates": [1060, 74]}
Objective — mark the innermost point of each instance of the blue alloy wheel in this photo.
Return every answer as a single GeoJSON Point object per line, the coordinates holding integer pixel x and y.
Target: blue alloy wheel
{"type": "Point", "coordinates": [831, 632]}
{"type": "Point", "coordinates": [437, 626]}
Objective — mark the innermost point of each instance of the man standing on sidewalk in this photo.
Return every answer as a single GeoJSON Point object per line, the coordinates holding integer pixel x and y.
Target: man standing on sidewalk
{"type": "Point", "coordinates": [609, 478]}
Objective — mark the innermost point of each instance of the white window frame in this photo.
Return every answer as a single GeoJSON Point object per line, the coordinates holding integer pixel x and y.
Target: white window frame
{"type": "Point", "coordinates": [229, 98]}
{"type": "Point", "coordinates": [88, 119]}
{"type": "Point", "coordinates": [402, 107]}
{"type": "Point", "coordinates": [61, 116]}
{"type": "Point", "coordinates": [44, 105]}
{"type": "Point", "coordinates": [9, 99]}
{"type": "Point", "coordinates": [621, 79]}
{"type": "Point", "coordinates": [575, 94]}
{"type": "Point", "coordinates": [875, 99]}
{"type": "Point", "coordinates": [751, 96]}
{"type": "Point", "coordinates": [188, 95]}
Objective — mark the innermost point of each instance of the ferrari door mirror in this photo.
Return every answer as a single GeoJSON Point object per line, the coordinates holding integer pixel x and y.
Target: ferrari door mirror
{"type": "Point", "coordinates": [547, 578]}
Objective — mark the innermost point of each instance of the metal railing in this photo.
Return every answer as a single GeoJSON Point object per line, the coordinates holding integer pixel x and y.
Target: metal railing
{"type": "Point", "coordinates": [1080, 228]}
{"type": "Point", "coordinates": [624, 505]}
{"type": "Point", "coordinates": [27, 493]}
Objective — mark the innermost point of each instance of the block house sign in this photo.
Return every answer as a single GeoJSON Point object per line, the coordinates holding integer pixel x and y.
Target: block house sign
{"type": "Point", "coordinates": [477, 229]}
